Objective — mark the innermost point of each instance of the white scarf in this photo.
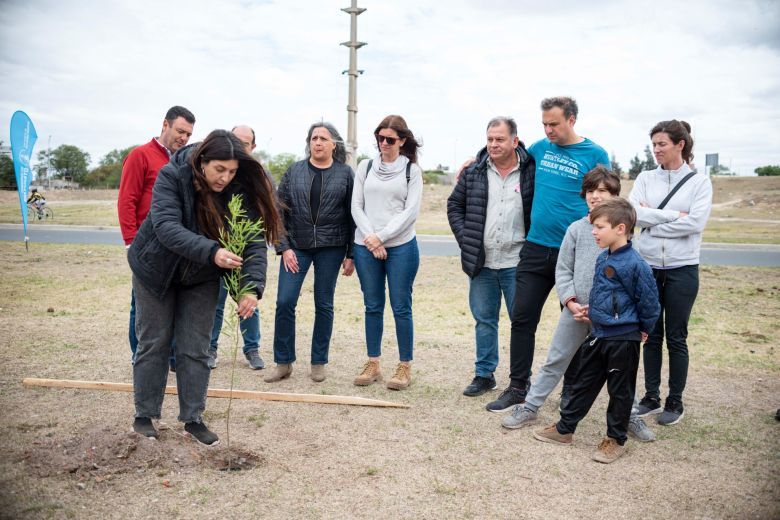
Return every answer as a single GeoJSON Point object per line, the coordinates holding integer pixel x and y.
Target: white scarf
{"type": "Point", "coordinates": [387, 171]}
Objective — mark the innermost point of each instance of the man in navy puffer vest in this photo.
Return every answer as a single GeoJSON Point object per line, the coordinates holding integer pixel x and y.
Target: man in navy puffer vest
{"type": "Point", "coordinates": [490, 214]}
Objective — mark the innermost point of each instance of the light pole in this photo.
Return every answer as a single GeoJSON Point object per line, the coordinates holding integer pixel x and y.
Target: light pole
{"type": "Point", "coordinates": [353, 11]}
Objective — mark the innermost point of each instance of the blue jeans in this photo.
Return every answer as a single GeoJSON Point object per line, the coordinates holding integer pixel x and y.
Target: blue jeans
{"type": "Point", "coordinates": [250, 327]}
{"type": "Point", "coordinates": [184, 312]}
{"type": "Point", "coordinates": [399, 269]}
{"type": "Point", "coordinates": [134, 338]}
{"type": "Point", "coordinates": [485, 292]}
{"type": "Point", "coordinates": [327, 261]}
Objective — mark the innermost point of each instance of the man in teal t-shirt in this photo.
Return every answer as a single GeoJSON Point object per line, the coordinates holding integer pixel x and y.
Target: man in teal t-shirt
{"type": "Point", "coordinates": [562, 160]}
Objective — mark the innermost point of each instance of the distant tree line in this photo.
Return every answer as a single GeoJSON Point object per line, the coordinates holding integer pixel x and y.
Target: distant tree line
{"type": "Point", "coordinates": [71, 163]}
{"type": "Point", "coordinates": [768, 171]}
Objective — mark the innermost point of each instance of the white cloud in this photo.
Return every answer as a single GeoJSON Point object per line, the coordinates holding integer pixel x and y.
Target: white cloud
{"type": "Point", "coordinates": [100, 75]}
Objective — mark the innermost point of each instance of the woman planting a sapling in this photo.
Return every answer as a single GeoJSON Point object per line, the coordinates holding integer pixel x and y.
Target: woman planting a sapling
{"type": "Point", "coordinates": [177, 260]}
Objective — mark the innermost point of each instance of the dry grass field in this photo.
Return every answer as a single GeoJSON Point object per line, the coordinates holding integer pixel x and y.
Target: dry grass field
{"type": "Point", "coordinates": [68, 454]}
{"type": "Point", "coordinates": [746, 209]}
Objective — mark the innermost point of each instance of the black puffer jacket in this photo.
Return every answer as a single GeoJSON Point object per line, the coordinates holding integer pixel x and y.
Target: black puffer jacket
{"type": "Point", "coordinates": [467, 207]}
{"type": "Point", "coordinates": [333, 226]}
{"type": "Point", "coordinates": [169, 249]}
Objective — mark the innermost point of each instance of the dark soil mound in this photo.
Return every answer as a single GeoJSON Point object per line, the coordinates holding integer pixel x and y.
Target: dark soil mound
{"type": "Point", "coordinates": [105, 451]}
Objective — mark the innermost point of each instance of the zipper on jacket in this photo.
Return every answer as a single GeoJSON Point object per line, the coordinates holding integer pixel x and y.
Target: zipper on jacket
{"type": "Point", "coordinates": [615, 305]}
{"type": "Point", "coordinates": [315, 218]}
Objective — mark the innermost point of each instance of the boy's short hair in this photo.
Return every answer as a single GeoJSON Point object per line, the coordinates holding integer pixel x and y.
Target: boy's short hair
{"type": "Point", "coordinates": [598, 175]}
{"type": "Point", "coordinates": [616, 211]}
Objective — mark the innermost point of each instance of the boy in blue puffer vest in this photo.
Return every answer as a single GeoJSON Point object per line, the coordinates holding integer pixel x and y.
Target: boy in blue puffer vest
{"type": "Point", "coordinates": [623, 309]}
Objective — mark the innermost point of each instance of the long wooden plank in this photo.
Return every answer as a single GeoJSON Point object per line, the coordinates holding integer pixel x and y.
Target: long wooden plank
{"type": "Point", "coordinates": [219, 392]}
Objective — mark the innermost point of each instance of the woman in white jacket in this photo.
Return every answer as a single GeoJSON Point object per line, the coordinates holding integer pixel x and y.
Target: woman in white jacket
{"type": "Point", "coordinates": [670, 242]}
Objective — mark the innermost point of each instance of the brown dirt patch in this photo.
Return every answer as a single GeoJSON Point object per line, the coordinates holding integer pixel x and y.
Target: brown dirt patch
{"type": "Point", "coordinates": [100, 453]}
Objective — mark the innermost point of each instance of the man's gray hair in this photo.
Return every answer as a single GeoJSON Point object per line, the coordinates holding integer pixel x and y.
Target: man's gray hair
{"type": "Point", "coordinates": [567, 104]}
{"type": "Point", "coordinates": [508, 121]}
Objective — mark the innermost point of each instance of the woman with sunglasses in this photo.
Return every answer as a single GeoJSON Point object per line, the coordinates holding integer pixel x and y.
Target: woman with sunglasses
{"type": "Point", "coordinates": [315, 194]}
{"type": "Point", "coordinates": [385, 205]}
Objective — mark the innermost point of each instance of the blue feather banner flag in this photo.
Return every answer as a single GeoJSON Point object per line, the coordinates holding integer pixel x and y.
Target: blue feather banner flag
{"type": "Point", "coordinates": [23, 137]}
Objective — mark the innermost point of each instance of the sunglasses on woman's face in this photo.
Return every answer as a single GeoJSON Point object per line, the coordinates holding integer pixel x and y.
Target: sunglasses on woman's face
{"type": "Point", "coordinates": [389, 140]}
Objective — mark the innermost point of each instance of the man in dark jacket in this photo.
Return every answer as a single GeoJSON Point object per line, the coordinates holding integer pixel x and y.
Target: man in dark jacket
{"type": "Point", "coordinates": [490, 213]}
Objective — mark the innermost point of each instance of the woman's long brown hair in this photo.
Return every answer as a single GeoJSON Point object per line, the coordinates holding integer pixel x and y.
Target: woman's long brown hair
{"type": "Point", "coordinates": [251, 180]}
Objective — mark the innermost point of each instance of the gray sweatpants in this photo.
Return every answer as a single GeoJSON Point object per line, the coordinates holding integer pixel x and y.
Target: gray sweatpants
{"type": "Point", "coordinates": [567, 338]}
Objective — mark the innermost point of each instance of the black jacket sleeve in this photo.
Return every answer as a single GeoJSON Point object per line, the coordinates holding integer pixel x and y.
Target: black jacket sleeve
{"type": "Point", "coordinates": [168, 211]}
{"type": "Point", "coordinates": [456, 208]}
{"type": "Point", "coordinates": [283, 194]}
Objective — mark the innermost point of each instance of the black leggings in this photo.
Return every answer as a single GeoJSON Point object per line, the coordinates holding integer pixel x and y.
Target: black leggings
{"type": "Point", "coordinates": [677, 290]}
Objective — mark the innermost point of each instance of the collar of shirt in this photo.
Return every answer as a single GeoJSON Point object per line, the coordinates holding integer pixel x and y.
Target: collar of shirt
{"type": "Point", "coordinates": [157, 140]}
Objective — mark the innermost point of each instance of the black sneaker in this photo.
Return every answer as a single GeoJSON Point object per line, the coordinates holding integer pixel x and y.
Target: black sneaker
{"type": "Point", "coordinates": [648, 406]}
{"type": "Point", "coordinates": [672, 414]}
{"type": "Point", "coordinates": [202, 434]}
{"type": "Point", "coordinates": [479, 385]}
{"type": "Point", "coordinates": [777, 415]}
{"type": "Point", "coordinates": [508, 398]}
{"type": "Point", "coordinates": [255, 361]}
{"type": "Point", "coordinates": [144, 426]}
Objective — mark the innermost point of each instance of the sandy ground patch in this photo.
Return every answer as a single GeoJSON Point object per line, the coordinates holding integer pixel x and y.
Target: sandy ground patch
{"type": "Point", "coordinates": [445, 457]}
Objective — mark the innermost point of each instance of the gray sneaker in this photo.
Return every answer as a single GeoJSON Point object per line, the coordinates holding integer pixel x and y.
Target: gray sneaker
{"type": "Point", "coordinates": [255, 361]}
{"type": "Point", "coordinates": [672, 414]}
{"type": "Point", "coordinates": [639, 430]}
{"type": "Point", "coordinates": [212, 362]}
{"type": "Point", "coordinates": [648, 406]}
{"type": "Point", "coordinates": [520, 416]}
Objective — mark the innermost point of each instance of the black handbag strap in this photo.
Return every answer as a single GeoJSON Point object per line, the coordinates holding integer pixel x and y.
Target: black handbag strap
{"type": "Point", "coordinates": [669, 196]}
{"type": "Point", "coordinates": [663, 203]}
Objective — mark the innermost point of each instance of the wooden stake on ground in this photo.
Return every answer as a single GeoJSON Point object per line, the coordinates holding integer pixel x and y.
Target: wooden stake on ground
{"type": "Point", "coordinates": [219, 392]}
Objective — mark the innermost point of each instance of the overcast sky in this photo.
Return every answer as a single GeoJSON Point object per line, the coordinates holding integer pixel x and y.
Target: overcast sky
{"type": "Point", "coordinates": [100, 75]}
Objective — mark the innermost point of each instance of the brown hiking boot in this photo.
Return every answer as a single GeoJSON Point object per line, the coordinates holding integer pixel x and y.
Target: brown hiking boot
{"type": "Point", "coordinates": [369, 374]}
{"type": "Point", "coordinates": [608, 451]}
{"type": "Point", "coordinates": [280, 371]}
{"type": "Point", "coordinates": [551, 435]}
{"type": "Point", "coordinates": [317, 373]}
{"type": "Point", "coordinates": [402, 376]}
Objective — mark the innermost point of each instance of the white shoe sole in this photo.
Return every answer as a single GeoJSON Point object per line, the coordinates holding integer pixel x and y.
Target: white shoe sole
{"type": "Point", "coordinates": [673, 422]}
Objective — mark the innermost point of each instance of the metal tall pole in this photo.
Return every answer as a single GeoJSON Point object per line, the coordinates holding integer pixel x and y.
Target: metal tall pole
{"type": "Point", "coordinates": [353, 11]}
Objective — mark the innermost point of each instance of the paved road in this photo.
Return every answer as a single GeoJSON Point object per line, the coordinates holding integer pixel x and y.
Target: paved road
{"type": "Point", "coordinates": [432, 245]}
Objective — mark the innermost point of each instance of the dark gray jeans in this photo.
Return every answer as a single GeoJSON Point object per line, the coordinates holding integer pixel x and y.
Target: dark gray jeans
{"type": "Point", "coordinates": [186, 313]}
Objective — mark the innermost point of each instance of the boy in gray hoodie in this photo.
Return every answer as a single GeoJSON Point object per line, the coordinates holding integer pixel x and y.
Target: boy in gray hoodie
{"type": "Point", "coordinates": [573, 282]}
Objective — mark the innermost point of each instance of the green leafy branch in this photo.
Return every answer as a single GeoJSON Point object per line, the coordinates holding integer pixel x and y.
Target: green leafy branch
{"type": "Point", "coordinates": [238, 233]}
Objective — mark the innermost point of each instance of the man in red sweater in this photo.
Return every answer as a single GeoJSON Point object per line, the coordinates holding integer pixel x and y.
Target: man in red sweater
{"type": "Point", "coordinates": [139, 172]}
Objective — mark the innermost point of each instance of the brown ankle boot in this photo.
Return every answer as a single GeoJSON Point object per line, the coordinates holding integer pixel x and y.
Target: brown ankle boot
{"type": "Point", "coordinates": [369, 374]}
{"type": "Point", "coordinates": [317, 373]}
{"type": "Point", "coordinates": [280, 371]}
{"type": "Point", "coordinates": [402, 376]}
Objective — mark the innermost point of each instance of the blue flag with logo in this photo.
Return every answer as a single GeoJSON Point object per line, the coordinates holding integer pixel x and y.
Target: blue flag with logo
{"type": "Point", "coordinates": [23, 137]}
